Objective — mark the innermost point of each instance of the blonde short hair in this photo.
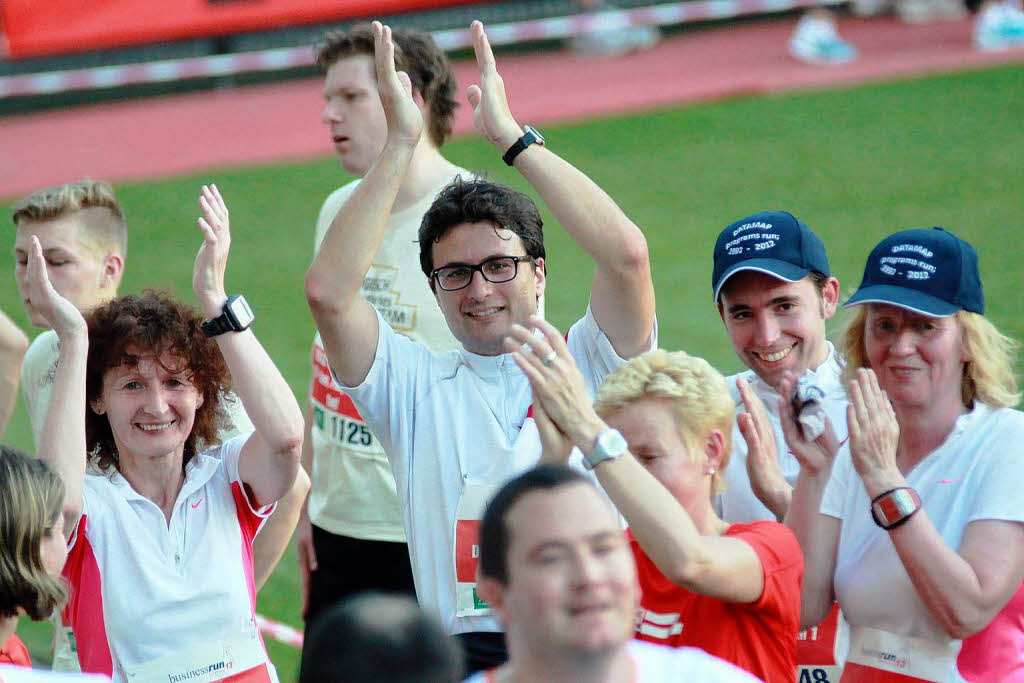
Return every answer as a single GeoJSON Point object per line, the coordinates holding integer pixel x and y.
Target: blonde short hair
{"type": "Point", "coordinates": [55, 202]}
{"type": "Point", "coordinates": [31, 498]}
{"type": "Point", "coordinates": [988, 375]}
{"type": "Point", "coordinates": [697, 394]}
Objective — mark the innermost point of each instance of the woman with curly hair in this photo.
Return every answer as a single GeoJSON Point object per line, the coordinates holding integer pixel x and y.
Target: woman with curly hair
{"type": "Point", "coordinates": [32, 552]}
{"type": "Point", "coordinates": [160, 517]}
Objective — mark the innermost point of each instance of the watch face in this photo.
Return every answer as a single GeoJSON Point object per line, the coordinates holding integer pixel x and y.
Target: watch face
{"type": "Point", "coordinates": [612, 443]}
{"type": "Point", "coordinates": [238, 308]}
{"type": "Point", "coordinates": [537, 137]}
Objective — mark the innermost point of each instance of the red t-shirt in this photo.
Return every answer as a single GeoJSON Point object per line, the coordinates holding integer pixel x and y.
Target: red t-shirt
{"type": "Point", "coordinates": [14, 652]}
{"type": "Point", "coordinates": [759, 636]}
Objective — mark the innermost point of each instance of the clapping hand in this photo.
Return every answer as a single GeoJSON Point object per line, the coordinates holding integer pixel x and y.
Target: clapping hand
{"type": "Point", "coordinates": [404, 118]}
{"type": "Point", "coordinates": [558, 387]}
{"type": "Point", "coordinates": [874, 433]}
{"type": "Point", "coordinates": [766, 480]}
{"type": "Point", "coordinates": [61, 314]}
{"type": "Point", "coordinates": [212, 259]}
{"type": "Point", "coordinates": [491, 114]}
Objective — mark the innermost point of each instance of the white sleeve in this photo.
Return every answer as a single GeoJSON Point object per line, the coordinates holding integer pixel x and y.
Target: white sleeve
{"type": "Point", "coordinates": [997, 488]}
{"type": "Point", "coordinates": [229, 453]}
{"type": "Point", "coordinates": [593, 351]}
{"type": "Point", "coordinates": [387, 396]}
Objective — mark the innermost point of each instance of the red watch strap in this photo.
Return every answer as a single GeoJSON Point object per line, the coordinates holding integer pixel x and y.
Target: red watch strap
{"type": "Point", "coordinates": [895, 507]}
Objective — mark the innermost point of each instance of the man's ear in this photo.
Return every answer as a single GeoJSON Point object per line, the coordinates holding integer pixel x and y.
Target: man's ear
{"type": "Point", "coordinates": [492, 592]}
{"type": "Point", "coordinates": [540, 274]}
{"type": "Point", "coordinates": [113, 269]}
{"type": "Point", "coordinates": [830, 297]}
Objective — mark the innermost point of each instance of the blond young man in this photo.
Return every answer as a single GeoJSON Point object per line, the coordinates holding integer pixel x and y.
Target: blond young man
{"type": "Point", "coordinates": [83, 234]}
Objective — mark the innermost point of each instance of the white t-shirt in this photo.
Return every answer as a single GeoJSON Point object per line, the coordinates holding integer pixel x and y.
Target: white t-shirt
{"type": "Point", "coordinates": [353, 492]}
{"type": "Point", "coordinates": [457, 421]}
{"type": "Point", "coordinates": [37, 372]}
{"type": "Point", "coordinates": [738, 502]}
{"type": "Point", "coordinates": [977, 473]}
{"type": "Point", "coordinates": [143, 590]}
{"type": "Point", "coordinates": [659, 663]}
{"type": "Point", "coordinates": [20, 674]}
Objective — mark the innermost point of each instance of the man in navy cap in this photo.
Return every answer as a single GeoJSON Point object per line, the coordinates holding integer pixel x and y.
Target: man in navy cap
{"type": "Point", "coordinates": [774, 291]}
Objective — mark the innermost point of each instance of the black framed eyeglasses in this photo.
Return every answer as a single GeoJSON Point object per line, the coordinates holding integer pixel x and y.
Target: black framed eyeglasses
{"type": "Point", "coordinates": [496, 269]}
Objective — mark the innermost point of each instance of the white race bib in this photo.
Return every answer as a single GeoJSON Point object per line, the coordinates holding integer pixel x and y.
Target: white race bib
{"type": "Point", "coordinates": [236, 660]}
{"type": "Point", "coordinates": [468, 514]}
{"type": "Point", "coordinates": [881, 657]}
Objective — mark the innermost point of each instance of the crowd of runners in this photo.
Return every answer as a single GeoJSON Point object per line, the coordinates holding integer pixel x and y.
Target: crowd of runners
{"type": "Point", "coordinates": [562, 505]}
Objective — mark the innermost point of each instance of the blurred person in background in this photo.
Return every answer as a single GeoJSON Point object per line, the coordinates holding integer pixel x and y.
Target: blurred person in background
{"type": "Point", "coordinates": [558, 571]}
{"type": "Point", "coordinates": [456, 425]}
{"type": "Point", "coordinates": [657, 437]}
{"type": "Point", "coordinates": [158, 515]}
{"type": "Point", "coordinates": [32, 548]}
{"type": "Point", "coordinates": [353, 509]}
{"type": "Point", "coordinates": [379, 638]}
{"type": "Point", "coordinates": [916, 525]}
{"type": "Point", "coordinates": [13, 345]}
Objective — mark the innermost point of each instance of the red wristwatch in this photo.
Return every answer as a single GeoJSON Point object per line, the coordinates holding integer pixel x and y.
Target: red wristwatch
{"type": "Point", "coordinates": [895, 507]}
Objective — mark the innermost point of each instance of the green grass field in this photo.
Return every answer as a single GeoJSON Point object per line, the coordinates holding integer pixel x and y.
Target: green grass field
{"type": "Point", "coordinates": [854, 164]}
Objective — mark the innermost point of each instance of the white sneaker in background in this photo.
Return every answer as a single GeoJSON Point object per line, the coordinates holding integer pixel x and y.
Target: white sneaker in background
{"type": "Point", "coordinates": [999, 26]}
{"type": "Point", "coordinates": [816, 41]}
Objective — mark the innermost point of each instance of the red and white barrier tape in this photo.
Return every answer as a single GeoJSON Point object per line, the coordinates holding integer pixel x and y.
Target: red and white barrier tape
{"type": "Point", "coordinates": [454, 39]}
{"type": "Point", "coordinates": [279, 632]}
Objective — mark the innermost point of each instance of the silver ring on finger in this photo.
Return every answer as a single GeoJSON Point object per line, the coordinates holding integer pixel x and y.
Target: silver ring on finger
{"type": "Point", "coordinates": [549, 359]}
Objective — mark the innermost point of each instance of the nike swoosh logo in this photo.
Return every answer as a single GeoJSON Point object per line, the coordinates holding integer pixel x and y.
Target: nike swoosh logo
{"type": "Point", "coordinates": [196, 504]}
{"type": "Point", "coordinates": [949, 481]}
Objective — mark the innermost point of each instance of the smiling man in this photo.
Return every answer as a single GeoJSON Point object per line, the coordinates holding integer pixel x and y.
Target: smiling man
{"type": "Point", "coordinates": [353, 505]}
{"type": "Point", "coordinates": [774, 291]}
{"type": "Point", "coordinates": [559, 573]}
{"type": "Point", "coordinates": [456, 425]}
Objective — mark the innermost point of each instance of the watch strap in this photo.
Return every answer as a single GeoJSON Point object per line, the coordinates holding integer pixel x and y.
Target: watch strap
{"type": "Point", "coordinates": [528, 138]}
{"type": "Point", "coordinates": [609, 445]}
{"type": "Point", "coordinates": [895, 507]}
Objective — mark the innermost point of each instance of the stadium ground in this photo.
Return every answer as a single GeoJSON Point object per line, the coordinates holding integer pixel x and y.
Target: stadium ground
{"type": "Point", "coordinates": [151, 138]}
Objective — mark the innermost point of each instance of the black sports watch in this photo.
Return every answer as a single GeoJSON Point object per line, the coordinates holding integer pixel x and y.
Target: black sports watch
{"type": "Point", "coordinates": [530, 137]}
{"type": "Point", "coordinates": [236, 317]}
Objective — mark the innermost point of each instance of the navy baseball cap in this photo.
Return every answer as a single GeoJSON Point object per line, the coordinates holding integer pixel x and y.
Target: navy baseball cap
{"type": "Point", "coordinates": [929, 271]}
{"type": "Point", "coordinates": [772, 242]}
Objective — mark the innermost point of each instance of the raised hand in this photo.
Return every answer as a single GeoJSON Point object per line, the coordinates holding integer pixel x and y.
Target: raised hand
{"type": "Point", "coordinates": [556, 381]}
{"type": "Point", "coordinates": [491, 114]}
{"type": "Point", "coordinates": [874, 433]}
{"type": "Point", "coordinates": [60, 313]}
{"type": "Point", "coordinates": [815, 456]}
{"type": "Point", "coordinates": [212, 258]}
{"type": "Point", "coordinates": [766, 480]}
{"type": "Point", "coordinates": [404, 118]}
{"type": "Point", "coordinates": [555, 445]}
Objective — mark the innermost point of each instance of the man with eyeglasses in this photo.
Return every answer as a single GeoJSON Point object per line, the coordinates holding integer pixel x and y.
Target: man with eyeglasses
{"type": "Point", "coordinates": [457, 425]}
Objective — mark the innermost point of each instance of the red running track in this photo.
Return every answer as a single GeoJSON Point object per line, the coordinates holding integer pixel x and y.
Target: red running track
{"type": "Point", "coordinates": [139, 139]}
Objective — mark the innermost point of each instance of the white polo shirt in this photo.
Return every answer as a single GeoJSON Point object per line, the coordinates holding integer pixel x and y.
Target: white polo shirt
{"type": "Point", "coordinates": [454, 422]}
{"type": "Point", "coordinates": [144, 590]}
{"type": "Point", "coordinates": [977, 473]}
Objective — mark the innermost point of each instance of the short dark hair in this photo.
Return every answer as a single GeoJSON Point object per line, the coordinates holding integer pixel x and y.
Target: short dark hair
{"type": "Point", "coordinates": [418, 55]}
{"type": "Point", "coordinates": [495, 536]}
{"type": "Point", "coordinates": [476, 200]}
{"type": "Point", "coordinates": [153, 323]}
{"type": "Point", "coordinates": [379, 638]}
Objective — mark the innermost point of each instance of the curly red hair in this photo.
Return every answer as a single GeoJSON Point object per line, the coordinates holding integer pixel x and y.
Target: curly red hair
{"type": "Point", "coordinates": [153, 324]}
